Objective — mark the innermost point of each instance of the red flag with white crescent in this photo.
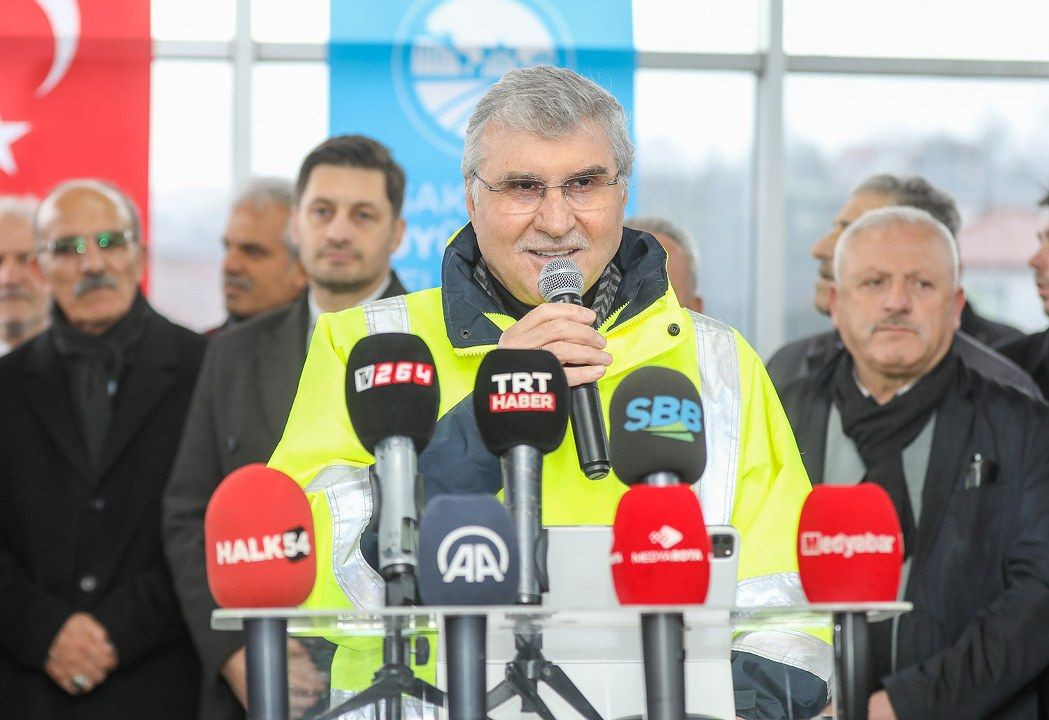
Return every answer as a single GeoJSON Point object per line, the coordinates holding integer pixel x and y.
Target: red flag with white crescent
{"type": "Point", "coordinates": [74, 94]}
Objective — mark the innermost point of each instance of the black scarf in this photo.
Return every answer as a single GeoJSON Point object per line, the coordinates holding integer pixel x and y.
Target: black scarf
{"type": "Point", "coordinates": [598, 298]}
{"type": "Point", "coordinates": [882, 432]}
{"type": "Point", "coordinates": [95, 365]}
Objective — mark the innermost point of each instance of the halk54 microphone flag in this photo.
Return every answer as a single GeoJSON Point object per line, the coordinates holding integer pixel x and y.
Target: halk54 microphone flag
{"type": "Point", "coordinates": [74, 94]}
{"type": "Point", "coordinates": [258, 540]}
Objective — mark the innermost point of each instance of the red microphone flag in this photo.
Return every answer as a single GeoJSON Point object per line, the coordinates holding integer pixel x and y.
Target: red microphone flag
{"type": "Point", "coordinates": [660, 547]}
{"type": "Point", "coordinates": [850, 545]}
{"type": "Point", "coordinates": [258, 540]}
{"type": "Point", "coordinates": [74, 95]}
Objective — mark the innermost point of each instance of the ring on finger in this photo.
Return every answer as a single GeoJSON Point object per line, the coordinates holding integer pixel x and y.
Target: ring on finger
{"type": "Point", "coordinates": [80, 680]}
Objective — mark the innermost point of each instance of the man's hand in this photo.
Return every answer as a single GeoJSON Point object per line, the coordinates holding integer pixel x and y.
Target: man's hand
{"type": "Point", "coordinates": [566, 331]}
{"type": "Point", "coordinates": [306, 682]}
{"type": "Point", "coordinates": [82, 650]}
{"type": "Point", "coordinates": [879, 707]}
{"type": "Point", "coordinates": [235, 671]}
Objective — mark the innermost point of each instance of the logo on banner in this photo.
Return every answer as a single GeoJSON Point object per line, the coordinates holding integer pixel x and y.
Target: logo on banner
{"type": "Point", "coordinates": [63, 17]}
{"type": "Point", "coordinates": [447, 53]}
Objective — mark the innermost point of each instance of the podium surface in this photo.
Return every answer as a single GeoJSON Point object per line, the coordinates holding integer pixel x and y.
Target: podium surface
{"type": "Point", "coordinates": [599, 649]}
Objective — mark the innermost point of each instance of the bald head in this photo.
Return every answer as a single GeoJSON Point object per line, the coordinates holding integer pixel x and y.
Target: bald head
{"type": "Point", "coordinates": [87, 234]}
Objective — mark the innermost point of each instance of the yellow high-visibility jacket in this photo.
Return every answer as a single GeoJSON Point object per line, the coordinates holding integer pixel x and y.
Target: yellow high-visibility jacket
{"type": "Point", "coordinates": [754, 477]}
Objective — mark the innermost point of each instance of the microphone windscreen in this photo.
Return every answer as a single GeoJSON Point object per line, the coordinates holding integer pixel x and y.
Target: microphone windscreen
{"type": "Point", "coordinates": [467, 552]}
{"type": "Point", "coordinates": [660, 547]}
{"type": "Point", "coordinates": [258, 540]}
{"type": "Point", "coordinates": [392, 390]}
{"type": "Point", "coordinates": [656, 425]}
{"type": "Point", "coordinates": [850, 546]}
{"type": "Point", "coordinates": [558, 277]}
{"type": "Point", "coordinates": [521, 398]}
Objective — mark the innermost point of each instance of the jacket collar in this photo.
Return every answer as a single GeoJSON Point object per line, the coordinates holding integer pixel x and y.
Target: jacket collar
{"type": "Point", "coordinates": [473, 320]}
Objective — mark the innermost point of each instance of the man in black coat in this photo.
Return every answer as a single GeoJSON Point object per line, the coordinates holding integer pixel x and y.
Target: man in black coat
{"type": "Point", "coordinates": [347, 223]}
{"type": "Point", "coordinates": [965, 461]}
{"type": "Point", "coordinates": [92, 411]}
{"type": "Point", "coordinates": [975, 333]}
{"type": "Point", "coordinates": [1031, 352]}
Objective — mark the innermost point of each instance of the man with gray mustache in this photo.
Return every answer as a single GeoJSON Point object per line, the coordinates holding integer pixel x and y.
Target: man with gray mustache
{"type": "Point", "coordinates": [24, 301]}
{"type": "Point", "coordinates": [92, 409]}
{"type": "Point", "coordinates": [964, 460]}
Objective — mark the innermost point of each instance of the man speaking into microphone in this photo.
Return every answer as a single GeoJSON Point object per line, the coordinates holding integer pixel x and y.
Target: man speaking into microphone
{"type": "Point", "coordinates": [546, 168]}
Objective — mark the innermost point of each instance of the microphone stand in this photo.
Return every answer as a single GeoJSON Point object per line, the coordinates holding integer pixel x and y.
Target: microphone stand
{"type": "Point", "coordinates": [398, 539]}
{"type": "Point", "coordinates": [663, 651]}
{"type": "Point", "coordinates": [522, 482]}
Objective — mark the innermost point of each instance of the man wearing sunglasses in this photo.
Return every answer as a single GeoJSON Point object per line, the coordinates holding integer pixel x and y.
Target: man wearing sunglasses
{"type": "Point", "coordinates": [545, 166]}
{"type": "Point", "coordinates": [92, 412]}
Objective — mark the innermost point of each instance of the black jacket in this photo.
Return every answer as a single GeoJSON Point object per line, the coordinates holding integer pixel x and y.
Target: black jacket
{"type": "Point", "coordinates": [986, 331]}
{"type": "Point", "coordinates": [1031, 352]}
{"type": "Point", "coordinates": [979, 632]}
{"type": "Point", "coordinates": [239, 408]}
{"type": "Point", "coordinates": [73, 538]}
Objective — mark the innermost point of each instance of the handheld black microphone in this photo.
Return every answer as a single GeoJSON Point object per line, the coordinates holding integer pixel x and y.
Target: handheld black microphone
{"type": "Point", "coordinates": [392, 396]}
{"type": "Point", "coordinates": [467, 556]}
{"type": "Point", "coordinates": [561, 281]}
{"type": "Point", "coordinates": [519, 402]}
{"type": "Point", "coordinates": [660, 550]}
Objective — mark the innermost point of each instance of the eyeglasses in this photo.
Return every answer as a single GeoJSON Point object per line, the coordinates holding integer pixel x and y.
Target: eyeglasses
{"type": "Point", "coordinates": [108, 241]}
{"type": "Point", "coordinates": [525, 195]}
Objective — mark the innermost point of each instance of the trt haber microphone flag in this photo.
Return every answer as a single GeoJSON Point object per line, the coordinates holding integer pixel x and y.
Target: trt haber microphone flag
{"type": "Point", "coordinates": [258, 540]}
{"type": "Point", "coordinates": [850, 546]}
{"type": "Point", "coordinates": [74, 95]}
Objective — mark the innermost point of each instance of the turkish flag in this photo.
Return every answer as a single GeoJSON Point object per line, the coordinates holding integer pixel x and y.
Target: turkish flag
{"type": "Point", "coordinates": [74, 95]}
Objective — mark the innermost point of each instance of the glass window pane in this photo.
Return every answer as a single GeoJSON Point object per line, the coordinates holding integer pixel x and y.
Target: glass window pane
{"type": "Point", "coordinates": [289, 115]}
{"type": "Point", "coordinates": [1003, 30]}
{"type": "Point", "coordinates": [302, 21]}
{"type": "Point", "coordinates": [697, 25]}
{"type": "Point", "coordinates": [193, 19]}
{"type": "Point", "coordinates": [982, 141]}
{"type": "Point", "coordinates": [693, 168]}
{"type": "Point", "coordinates": [190, 176]}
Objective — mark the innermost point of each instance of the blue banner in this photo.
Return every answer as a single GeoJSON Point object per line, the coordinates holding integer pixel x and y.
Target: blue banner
{"type": "Point", "coordinates": [410, 73]}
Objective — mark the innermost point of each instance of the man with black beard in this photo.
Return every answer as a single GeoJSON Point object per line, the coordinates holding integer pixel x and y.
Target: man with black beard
{"type": "Point", "coordinates": [964, 460]}
{"type": "Point", "coordinates": [346, 223]}
{"type": "Point", "coordinates": [92, 409]}
{"type": "Point", "coordinates": [24, 301]}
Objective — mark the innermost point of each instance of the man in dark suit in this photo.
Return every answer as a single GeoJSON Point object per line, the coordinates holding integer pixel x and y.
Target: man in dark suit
{"type": "Point", "coordinates": [347, 223]}
{"type": "Point", "coordinates": [260, 264]}
{"type": "Point", "coordinates": [1031, 352]}
{"type": "Point", "coordinates": [92, 409]}
{"type": "Point", "coordinates": [964, 460]}
{"type": "Point", "coordinates": [975, 334]}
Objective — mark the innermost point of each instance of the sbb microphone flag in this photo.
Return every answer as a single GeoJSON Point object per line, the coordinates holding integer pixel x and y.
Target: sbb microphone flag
{"type": "Point", "coordinates": [258, 540]}
{"type": "Point", "coordinates": [660, 547]}
{"type": "Point", "coordinates": [850, 546]}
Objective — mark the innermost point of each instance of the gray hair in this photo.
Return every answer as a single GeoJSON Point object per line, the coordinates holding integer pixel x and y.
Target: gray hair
{"type": "Point", "coordinates": [19, 206]}
{"type": "Point", "coordinates": [896, 215]}
{"type": "Point", "coordinates": [677, 234]}
{"type": "Point", "coordinates": [915, 191]}
{"type": "Point", "coordinates": [261, 192]}
{"type": "Point", "coordinates": [552, 103]}
{"type": "Point", "coordinates": [108, 190]}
